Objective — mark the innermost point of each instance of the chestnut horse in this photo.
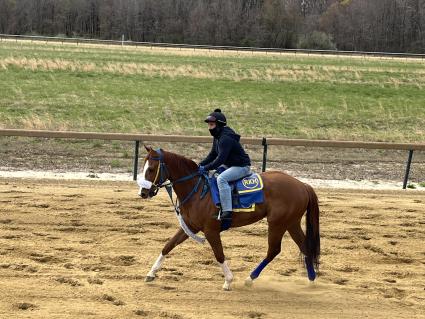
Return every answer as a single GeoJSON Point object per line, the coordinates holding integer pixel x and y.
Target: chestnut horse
{"type": "Point", "coordinates": [285, 201]}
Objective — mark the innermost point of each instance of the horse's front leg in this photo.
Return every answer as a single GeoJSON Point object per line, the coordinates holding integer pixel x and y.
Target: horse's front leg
{"type": "Point", "coordinates": [215, 241]}
{"type": "Point", "coordinates": [177, 239]}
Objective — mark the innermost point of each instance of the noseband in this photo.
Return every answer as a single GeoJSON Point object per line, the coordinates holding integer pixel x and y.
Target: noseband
{"type": "Point", "coordinates": [164, 176]}
{"type": "Point", "coordinates": [160, 172]}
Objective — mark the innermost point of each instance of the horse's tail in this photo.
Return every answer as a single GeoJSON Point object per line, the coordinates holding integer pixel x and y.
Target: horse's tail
{"type": "Point", "coordinates": [312, 227]}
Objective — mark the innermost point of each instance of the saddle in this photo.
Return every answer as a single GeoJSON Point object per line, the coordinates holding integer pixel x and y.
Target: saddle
{"type": "Point", "coordinates": [246, 192]}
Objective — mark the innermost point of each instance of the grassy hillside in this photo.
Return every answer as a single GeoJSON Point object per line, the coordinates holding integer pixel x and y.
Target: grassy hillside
{"type": "Point", "coordinates": [115, 89]}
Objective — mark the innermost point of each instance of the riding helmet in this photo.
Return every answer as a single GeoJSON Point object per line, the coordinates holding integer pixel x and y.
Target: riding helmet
{"type": "Point", "coordinates": [216, 117]}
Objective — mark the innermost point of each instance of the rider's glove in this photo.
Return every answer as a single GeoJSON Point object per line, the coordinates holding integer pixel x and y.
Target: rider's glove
{"type": "Point", "coordinates": [202, 170]}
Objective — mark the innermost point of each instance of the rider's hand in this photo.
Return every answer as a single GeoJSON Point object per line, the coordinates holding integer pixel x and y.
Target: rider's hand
{"type": "Point", "coordinates": [201, 170]}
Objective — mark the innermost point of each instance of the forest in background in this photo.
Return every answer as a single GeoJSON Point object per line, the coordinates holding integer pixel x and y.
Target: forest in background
{"type": "Point", "coordinates": [361, 25]}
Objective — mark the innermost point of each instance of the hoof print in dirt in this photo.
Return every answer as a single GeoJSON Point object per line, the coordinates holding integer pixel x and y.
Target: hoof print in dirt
{"type": "Point", "coordinates": [94, 281]}
{"type": "Point", "coordinates": [122, 260]}
{"type": "Point", "coordinates": [255, 314]}
{"type": "Point", "coordinates": [69, 281]}
{"type": "Point", "coordinates": [113, 300]}
{"type": "Point", "coordinates": [25, 306]}
{"type": "Point", "coordinates": [164, 314]}
{"type": "Point", "coordinates": [391, 281]}
{"type": "Point", "coordinates": [140, 312]}
{"type": "Point", "coordinates": [341, 281]}
{"type": "Point", "coordinates": [43, 259]}
{"type": "Point", "coordinates": [287, 272]}
{"type": "Point", "coordinates": [168, 288]}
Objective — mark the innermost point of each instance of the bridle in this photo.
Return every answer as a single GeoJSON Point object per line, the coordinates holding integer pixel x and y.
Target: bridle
{"type": "Point", "coordinates": [161, 172]}
{"type": "Point", "coordinates": [164, 181]}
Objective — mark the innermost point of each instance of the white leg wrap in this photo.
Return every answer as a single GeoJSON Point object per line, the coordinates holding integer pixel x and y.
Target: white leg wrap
{"type": "Point", "coordinates": [248, 281]}
{"type": "Point", "coordinates": [228, 276]}
{"type": "Point", "coordinates": [156, 266]}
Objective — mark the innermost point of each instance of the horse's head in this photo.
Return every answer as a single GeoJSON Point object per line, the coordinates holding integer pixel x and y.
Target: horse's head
{"type": "Point", "coordinates": [154, 173]}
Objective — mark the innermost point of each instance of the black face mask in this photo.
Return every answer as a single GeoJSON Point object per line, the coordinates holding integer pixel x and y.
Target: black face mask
{"type": "Point", "coordinates": [215, 131]}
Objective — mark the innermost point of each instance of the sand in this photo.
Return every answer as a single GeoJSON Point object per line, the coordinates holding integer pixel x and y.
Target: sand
{"type": "Point", "coordinates": [81, 249]}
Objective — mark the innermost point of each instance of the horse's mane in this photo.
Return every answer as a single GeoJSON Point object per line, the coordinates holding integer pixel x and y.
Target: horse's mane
{"type": "Point", "coordinates": [181, 163]}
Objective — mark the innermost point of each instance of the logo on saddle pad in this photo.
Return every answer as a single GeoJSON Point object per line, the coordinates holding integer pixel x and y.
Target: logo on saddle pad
{"type": "Point", "coordinates": [251, 183]}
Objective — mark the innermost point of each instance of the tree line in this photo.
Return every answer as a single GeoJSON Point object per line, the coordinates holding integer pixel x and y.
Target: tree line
{"type": "Point", "coordinates": [363, 25]}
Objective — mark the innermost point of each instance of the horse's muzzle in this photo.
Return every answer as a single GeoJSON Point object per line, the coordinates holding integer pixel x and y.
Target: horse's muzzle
{"type": "Point", "coordinates": [148, 193]}
{"type": "Point", "coordinates": [143, 195]}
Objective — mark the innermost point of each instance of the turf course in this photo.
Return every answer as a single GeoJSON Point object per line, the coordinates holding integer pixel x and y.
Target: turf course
{"type": "Point", "coordinates": [121, 89]}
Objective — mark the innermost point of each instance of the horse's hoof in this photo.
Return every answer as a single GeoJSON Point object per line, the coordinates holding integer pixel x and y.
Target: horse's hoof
{"type": "Point", "coordinates": [248, 282]}
{"type": "Point", "coordinates": [226, 287]}
{"type": "Point", "coordinates": [149, 278]}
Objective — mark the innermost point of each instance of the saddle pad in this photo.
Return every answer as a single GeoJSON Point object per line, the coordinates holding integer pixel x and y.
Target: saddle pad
{"type": "Point", "coordinates": [249, 191]}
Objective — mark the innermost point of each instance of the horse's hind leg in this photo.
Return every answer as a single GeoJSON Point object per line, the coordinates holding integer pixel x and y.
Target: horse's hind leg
{"type": "Point", "coordinates": [177, 239]}
{"type": "Point", "coordinates": [275, 241]}
{"type": "Point", "coordinates": [299, 238]}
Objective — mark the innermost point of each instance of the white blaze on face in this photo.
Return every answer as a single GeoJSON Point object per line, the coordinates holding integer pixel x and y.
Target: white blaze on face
{"type": "Point", "coordinates": [141, 181]}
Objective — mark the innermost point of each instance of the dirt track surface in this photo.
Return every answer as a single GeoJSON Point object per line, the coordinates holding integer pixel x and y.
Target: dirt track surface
{"type": "Point", "coordinates": [71, 249]}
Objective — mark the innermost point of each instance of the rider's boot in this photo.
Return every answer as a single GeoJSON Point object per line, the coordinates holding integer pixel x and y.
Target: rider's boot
{"type": "Point", "coordinates": [226, 215]}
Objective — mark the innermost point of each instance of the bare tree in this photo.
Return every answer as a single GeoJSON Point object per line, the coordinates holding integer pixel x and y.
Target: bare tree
{"type": "Point", "coordinates": [379, 25]}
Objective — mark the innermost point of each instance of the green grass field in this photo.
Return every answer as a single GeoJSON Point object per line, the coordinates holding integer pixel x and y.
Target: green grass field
{"type": "Point", "coordinates": [151, 91]}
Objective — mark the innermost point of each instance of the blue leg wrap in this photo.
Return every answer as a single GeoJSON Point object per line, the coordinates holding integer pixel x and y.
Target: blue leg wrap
{"type": "Point", "coordinates": [310, 269]}
{"type": "Point", "coordinates": [259, 269]}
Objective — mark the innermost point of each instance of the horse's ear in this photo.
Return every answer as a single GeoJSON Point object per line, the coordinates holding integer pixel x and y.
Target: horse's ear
{"type": "Point", "coordinates": [148, 148]}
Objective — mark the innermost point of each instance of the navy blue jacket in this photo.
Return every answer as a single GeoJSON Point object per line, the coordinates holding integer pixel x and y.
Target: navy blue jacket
{"type": "Point", "coordinates": [226, 150]}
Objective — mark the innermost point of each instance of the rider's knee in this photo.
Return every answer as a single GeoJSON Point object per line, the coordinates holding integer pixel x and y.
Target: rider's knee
{"type": "Point", "coordinates": [221, 180]}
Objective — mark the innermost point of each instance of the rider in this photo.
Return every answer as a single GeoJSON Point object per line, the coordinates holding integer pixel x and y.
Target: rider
{"type": "Point", "coordinates": [227, 151]}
